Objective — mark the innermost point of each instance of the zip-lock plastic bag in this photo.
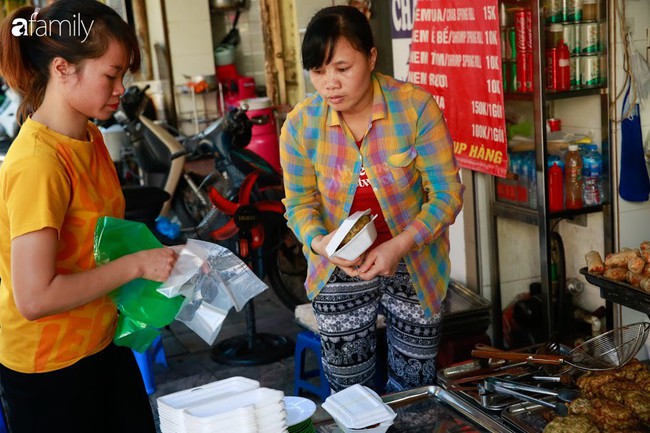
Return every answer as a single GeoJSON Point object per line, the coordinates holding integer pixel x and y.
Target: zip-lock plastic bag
{"type": "Point", "coordinates": [213, 280]}
{"type": "Point", "coordinates": [143, 310]}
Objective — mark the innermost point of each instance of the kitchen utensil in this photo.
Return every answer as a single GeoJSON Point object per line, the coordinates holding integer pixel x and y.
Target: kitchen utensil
{"type": "Point", "coordinates": [567, 395]}
{"type": "Point", "coordinates": [456, 383]}
{"type": "Point", "coordinates": [232, 37]}
{"type": "Point", "coordinates": [607, 351]}
{"type": "Point", "coordinates": [564, 379]}
{"type": "Point", "coordinates": [560, 408]}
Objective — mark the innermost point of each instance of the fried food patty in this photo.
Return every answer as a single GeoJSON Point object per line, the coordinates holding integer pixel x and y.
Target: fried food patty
{"type": "Point", "coordinates": [571, 424]}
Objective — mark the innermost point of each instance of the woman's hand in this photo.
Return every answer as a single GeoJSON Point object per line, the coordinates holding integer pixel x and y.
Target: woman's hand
{"type": "Point", "coordinates": [156, 264]}
{"type": "Point", "coordinates": [39, 290]}
{"type": "Point", "coordinates": [383, 259]}
{"type": "Point", "coordinates": [319, 243]}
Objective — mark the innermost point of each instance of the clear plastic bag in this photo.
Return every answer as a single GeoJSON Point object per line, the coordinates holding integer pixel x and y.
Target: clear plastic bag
{"type": "Point", "coordinates": [213, 280]}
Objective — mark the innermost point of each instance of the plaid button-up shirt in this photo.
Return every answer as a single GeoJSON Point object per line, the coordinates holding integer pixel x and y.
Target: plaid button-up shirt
{"type": "Point", "coordinates": [408, 155]}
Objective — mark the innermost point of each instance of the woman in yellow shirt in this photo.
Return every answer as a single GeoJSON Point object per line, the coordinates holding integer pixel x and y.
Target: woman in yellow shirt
{"type": "Point", "coordinates": [59, 369]}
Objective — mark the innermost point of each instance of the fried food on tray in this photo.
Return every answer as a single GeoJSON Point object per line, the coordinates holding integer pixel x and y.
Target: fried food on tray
{"type": "Point", "coordinates": [617, 390]}
{"type": "Point", "coordinates": [356, 228]}
{"type": "Point", "coordinates": [628, 387]}
{"type": "Point", "coordinates": [591, 383]}
{"type": "Point", "coordinates": [639, 402]}
{"type": "Point", "coordinates": [608, 414]}
{"type": "Point", "coordinates": [571, 424]}
{"type": "Point", "coordinates": [595, 263]}
{"type": "Point", "coordinates": [630, 370]}
{"type": "Point", "coordinates": [643, 380]}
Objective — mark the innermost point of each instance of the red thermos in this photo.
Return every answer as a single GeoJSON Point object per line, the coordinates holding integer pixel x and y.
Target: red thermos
{"type": "Point", "coordinates": [555, 188]}
{"type": "Point", "coordinates": [563, 70]}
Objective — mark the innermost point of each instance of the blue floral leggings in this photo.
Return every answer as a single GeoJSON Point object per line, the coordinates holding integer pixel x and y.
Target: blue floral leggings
{"type": "Point", "coordinates": [346, 311]}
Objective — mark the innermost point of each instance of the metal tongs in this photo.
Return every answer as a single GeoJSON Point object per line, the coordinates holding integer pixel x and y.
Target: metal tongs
{"type": "Point", "coordinates": [514, 389]}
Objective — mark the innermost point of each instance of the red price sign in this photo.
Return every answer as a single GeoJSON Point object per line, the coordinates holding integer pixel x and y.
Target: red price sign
{"type": "Point", "coordinates": [456, 55]}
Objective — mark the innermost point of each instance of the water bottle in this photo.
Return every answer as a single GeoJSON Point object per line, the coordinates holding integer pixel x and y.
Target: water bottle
{"type": "Point", "coordinates": [573, 178]}
{"type": "Point", "coordinates": [522, 179]}
{"type": "Point", "coordinates": [592, 170]}
{"type": "Point", "coordinates": [532, 180]}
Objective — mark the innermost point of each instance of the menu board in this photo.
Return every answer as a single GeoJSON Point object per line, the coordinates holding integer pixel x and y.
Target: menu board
{"type": "Point", "coordinates": [455, 54]}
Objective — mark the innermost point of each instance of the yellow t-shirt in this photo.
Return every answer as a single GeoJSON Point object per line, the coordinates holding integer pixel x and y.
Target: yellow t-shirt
{"type": "Point", "coordinates": [50, 180]}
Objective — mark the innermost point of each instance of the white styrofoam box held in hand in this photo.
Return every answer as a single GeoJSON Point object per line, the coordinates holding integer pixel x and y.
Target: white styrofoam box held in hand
{"type": "Point", "coordinates": [358, 244]}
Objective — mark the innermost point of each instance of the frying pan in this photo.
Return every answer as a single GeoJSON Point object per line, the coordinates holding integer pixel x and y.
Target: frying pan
{"type": "Point", "coordinates": [607, 351]}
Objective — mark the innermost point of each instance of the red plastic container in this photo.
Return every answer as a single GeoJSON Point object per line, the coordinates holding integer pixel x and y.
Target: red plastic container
{"type": "Point", "coordinates": [563, 67]}
{"type": "Point", "coordinates": [555, 188]}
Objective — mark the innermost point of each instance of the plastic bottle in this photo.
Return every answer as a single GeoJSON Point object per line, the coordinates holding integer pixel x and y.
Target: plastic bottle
{"type": "Point", "coordinates": [563, 67]}
{"type": "Point", "coordinates": [555, 188]}
{"type": "Point", "coordinates": [532, 180]}
{"type": "Point", "coordinates": [592, 171]}
{"type": "Point", "coordinates": [573, 178]}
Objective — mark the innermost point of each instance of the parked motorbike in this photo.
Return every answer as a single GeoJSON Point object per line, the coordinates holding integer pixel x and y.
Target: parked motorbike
{"type": "Point", "coordinates": [212, 185]}
{"type": "Point", "coordinates": [10, 102]}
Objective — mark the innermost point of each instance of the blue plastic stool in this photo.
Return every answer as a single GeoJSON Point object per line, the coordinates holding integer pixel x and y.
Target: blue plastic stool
{"type": "Point", "coordinates": [307, 340]}
{"type": "Point", "coordinates": [154, 354]}
{"type": "Point", "coordinates": [3, 423]}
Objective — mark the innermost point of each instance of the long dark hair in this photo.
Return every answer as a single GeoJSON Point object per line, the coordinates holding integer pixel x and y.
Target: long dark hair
{"type": "Point", "coordinates": [25, 59]}
{"type": "Point", "coordinates": [327, 26]}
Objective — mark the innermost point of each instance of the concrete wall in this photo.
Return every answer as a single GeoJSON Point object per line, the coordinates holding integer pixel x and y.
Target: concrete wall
{"type": "Point", "coordinates": [633, 218]}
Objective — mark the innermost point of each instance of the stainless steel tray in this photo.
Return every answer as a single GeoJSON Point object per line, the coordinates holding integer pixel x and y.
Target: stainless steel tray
{"type": "Point", "coordinates": [432, 409]}
{"type": "Point", "coordinates": [462, 301]}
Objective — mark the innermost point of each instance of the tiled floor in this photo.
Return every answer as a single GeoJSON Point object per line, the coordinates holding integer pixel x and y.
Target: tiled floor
{"type": "Point", "coordinates": [189, 358]}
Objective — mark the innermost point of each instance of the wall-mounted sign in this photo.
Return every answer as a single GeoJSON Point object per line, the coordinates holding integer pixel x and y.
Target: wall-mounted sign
{"type": "Point", "coordinates": [455, 54]}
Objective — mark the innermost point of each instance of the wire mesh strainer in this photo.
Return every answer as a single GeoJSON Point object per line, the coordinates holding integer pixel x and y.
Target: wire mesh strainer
{"type": "Point", "coordinates": [610, 350]}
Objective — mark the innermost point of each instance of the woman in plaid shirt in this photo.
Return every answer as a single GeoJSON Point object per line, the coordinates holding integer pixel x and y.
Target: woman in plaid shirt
{"type": "Point", "coordinates": [368, 141]}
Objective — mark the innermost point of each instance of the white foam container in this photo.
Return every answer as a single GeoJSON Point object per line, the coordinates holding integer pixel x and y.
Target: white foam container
{"type": "Point", "coordinates": [171, 406]}
{"type": "Point", "coordinates": [358, 244]}
{"type": "Point", "coordinates": [172, 403]}
{"type": "Point", "coordinates": [220, 409]}
{"type": "Point", "coordinates": [357, 407]}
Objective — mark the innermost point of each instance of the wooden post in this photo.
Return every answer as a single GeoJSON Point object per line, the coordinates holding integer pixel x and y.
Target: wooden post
{"type": "Point", "coordinates": [269, 59]}
{"type": "Point", "coordinates": [142, 31]}
{"type": "Point", "coordinates": [278, 49]}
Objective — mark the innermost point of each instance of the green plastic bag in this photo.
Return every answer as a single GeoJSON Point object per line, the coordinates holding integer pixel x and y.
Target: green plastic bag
{"type": "Point", "coordinates": [143, 310]}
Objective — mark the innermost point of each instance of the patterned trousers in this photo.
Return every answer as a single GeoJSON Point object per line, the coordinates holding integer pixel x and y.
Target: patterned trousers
{"type": "Point", "coordinates": [346, 311]}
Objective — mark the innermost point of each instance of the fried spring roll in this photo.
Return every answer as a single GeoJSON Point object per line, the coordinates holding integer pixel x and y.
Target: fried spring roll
{"type": "Point", "coordinates": [620, 259]}
{"type": "Point", "coordinates": [595, 263]}
{"type": "Point", "coordinates": [617, 274]}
